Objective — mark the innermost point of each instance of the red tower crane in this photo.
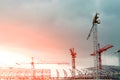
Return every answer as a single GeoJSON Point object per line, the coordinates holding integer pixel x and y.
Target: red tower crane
{"type": "Point", "coordinates": [73, 54]}
{"type": "Point", "coordinates": [33, 65]}
{"type": "Point", "coordinates": [100, 51]}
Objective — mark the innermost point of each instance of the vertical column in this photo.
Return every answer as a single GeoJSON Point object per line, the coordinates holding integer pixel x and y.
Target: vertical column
{"type": "Point", "coordinates": [99, 58]}
{"type": "Point", "coordinates": [57, 74]}
{"type": "Point", "coordinates": [33, 68]}
{"type": "Point", "coordinates": [73, 54]}
{"type": "Point", "coordinates": [73, 68]}
{"type": "Point", "coordinates": [119, 58]}
{"type": "Point", "coordinates": [118, 51]}
{"type": "Point", "coordinates": [95, 45]}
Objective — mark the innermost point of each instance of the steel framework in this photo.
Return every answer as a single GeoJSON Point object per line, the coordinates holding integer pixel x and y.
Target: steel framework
{"type": "Point", "coordinates": [95, 44]}
{"type": "Point", "coordinates": [108, 72]}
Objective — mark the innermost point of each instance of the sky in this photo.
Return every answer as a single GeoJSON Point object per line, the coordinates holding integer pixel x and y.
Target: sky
{"type": "Point", "coordinates": [47, 29]}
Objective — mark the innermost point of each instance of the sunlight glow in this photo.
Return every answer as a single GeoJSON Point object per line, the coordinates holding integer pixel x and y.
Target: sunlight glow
{"type": "Point", "coordinates": [10, 57]}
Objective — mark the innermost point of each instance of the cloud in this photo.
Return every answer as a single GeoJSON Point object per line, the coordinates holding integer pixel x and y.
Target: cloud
{"type": "Point", "coordinates": [65, 23]}
{"type": "Point", "coordinates": [110, 7]}
{"type": "Point", "coordinates": [109, 28]}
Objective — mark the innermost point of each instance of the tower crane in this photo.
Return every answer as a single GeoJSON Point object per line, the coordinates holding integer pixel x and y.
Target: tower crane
{"type": "Point", "coordinates": [73, 54]}
{"type": "Point", "coordinates": [33, 65]}
{"type": "Point", "coordinates": [118, 51]}
{"type": "Point", "coordinates": [93, 29]}
{"type": "Point", "coordinates": [100, 51]}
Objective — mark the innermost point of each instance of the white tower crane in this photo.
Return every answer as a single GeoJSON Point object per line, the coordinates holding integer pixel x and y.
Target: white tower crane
{"type": "Point", "coordinates": [118, 51]}
{"type": "Point", "coordinates": [93, 29]}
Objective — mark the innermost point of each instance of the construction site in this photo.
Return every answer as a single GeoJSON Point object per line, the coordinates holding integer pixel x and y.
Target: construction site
{"type": "Point", "coordinates": [59, 40]}
{"type": "Point", "coordinates": [97, 72]}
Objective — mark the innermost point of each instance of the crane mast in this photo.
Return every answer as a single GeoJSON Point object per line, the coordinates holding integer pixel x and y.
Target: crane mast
{"type": "Point", "coordinates": [95, 45]}
{"type": "Point", "coordinates": [118, 51]}
{"type": "Point", "coordinates": [99, 56]}
{"type": "Point", "coordinates": [73, 54]}
{"type": "Point", "coordinates": [33, 67]}
{"type": "Point", "coordinates": [100, 51]}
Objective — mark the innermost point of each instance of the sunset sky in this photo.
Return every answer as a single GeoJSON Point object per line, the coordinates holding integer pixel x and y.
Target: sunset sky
{"type": "Point", "coordinates": [46, 29]}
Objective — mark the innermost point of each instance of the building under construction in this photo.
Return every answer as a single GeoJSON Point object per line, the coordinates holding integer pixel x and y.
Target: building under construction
{"type": "Point", "coordinates": [106, 73]}
{"type": "Point", "coordinates": [98, 72]}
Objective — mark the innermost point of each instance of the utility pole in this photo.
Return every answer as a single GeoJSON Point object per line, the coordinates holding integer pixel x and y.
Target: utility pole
{"type": "Point", "coordinates": [93, 29]}
{"type": "Point", "coordinates": [73, 54]}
